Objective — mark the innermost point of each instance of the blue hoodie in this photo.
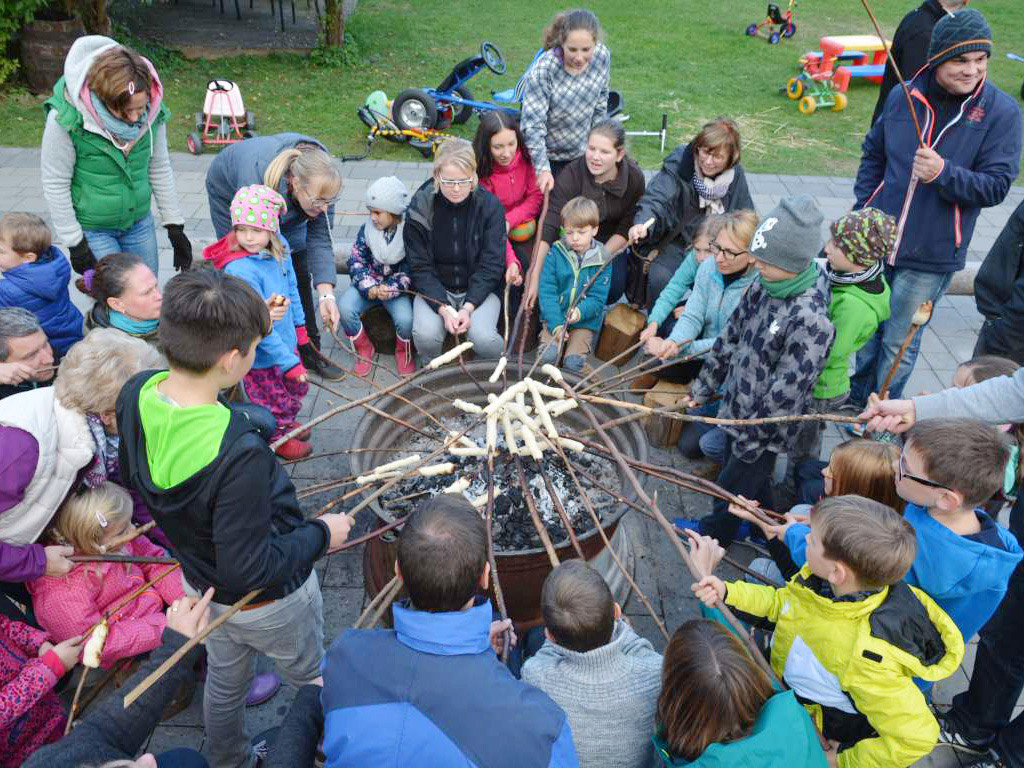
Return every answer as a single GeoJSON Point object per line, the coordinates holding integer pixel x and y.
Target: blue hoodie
{"type": "Point", "coordinates": [42, 288]}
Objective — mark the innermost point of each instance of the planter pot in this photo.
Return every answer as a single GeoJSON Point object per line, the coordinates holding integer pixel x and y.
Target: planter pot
{"type": "Point", "coordinates": [44, 46]}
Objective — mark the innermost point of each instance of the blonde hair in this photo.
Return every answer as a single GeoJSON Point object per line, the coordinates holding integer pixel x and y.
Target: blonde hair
{"type": "Point", "coordinates": [872, 539]}
{"type": "Point", "coordinates": [456, 152]}
{"type": "Point", "coordinates": [84, 518]}
{"type": "Point", "coordinates": [117, 74]}
{"type": "Point", "coordinates": [92, 373]}
{"type": "Point", "coordinates": [865, 468]}
{"type": "Point", "coordinates": [304, 163]}
{"type": "Point", "coordinates": [25, 233]}
{"type": "Point", "coordinates": [580, 212]}
{"type": "Point", "coordinates": [740, 226]}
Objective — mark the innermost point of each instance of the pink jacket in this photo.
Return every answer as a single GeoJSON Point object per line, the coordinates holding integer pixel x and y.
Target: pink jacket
{"type": "Point", "coordinates": [69, 605]}
{"type": "Point", "coordinates": [515, 185]}
{"type": "Point", "coordinates": [31, 715]}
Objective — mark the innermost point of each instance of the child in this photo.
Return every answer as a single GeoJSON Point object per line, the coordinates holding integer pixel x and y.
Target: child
{"type": "Point", "coordinates": [857, 252]}
{"type": "Point", "coordinates": [981, 369]}
{"type": "Point", "coordinates": [718, 708]}
{"type": "Point", "coordinates": [769, 354]}
{"type": "Point", "coordinates": [69, 605]}
{"type": "Point", "coordinates": [949, 467]}
{"type": "Point", "coordinates": [31, 715]}
{"type": "Point", "coordinates": [596, 668]}
{"type": "Point", "coordinates": [568, 268]}
{"type": "Point", "coordinates": [255, 252]}
{"type": "Point", "coordinates": [36, 277]}
{"type": "Point", "coordinates": [224, 500]}
{"type": "Point", "coordinates": [378, 272]}
{"type": "Point", "coordinates": [850, 636]}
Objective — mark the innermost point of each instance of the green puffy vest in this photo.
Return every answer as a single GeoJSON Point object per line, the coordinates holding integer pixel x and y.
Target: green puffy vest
{"type": "Point", "coordinates": [108, 190]}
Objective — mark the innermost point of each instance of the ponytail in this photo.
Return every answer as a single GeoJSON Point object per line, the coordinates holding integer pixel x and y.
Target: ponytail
{"type": "Point", "coordinates": [304, 163]}
{"type": "Point", "coordinates": [569, 21]}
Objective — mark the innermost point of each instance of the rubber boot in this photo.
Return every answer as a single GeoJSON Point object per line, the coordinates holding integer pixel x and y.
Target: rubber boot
{"type": "Point", "coordinates": [405, 360]}
{"type": "Point", "coordinates": [364, 352]}
{"type": "Point", "coordinates": [293, 449]}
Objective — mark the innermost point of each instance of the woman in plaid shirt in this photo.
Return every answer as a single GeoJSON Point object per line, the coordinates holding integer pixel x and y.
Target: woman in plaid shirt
{"type": "Point", "coordinates": [566, 93]}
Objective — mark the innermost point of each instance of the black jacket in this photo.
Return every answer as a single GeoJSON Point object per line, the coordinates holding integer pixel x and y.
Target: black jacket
{"type": "Point", "coordinates": [675, 206]}
{"type": "Point", "coordinates": [433, 264]}
{"type": "Point", "coordinates": [909, 48]}
{"type": "Point", "coordinates": [616, 200]}
{"type": "Point", "coordinates": [235, 525]}
{"type": "Point", "coordinates": [999, 290]}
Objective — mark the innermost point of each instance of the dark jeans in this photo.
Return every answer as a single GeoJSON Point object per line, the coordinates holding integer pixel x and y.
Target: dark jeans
{"type": "Point", "coordinates": [749, 479]}
{"type": "Point", "coordinates": [301, 265]}
{"type": "Point", "coordinates": [181, 757]}
{"type": "Point", "coordinates": [662, 269]}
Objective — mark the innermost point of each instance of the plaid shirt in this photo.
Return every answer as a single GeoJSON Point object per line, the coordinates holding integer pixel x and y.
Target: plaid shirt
{"type": "Point", "coordinates": [559, 109]}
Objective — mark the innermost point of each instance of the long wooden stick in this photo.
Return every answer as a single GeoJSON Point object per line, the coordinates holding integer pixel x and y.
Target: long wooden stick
{"type": "Point", "coordinates": [131, 559]}
{"type": "Point", "coordinates": [896, 70]}
{"type": "Point", "coordinates": [542, 532]}
{"type": "Point", "coordinates": [499, 596]}
{"type": "Point", "coordinates": [377, 600]}
{"type": "Point", "coordinates": [372, 409]}
{"type": "Point", "coordinates": [110, 613]}
{"type": "Point", "coordinates": [639, 407]}
{"type": "Point", "coordinates": [74, 701]}
{"type": "Point", "coordinates": [522, 321]}
{"type": "Point", "coordinates": [384, 604]}
{"type": "Point", "coordinates": [562, 514]}
{"type": "Point", "coordinates": [130, 536]}
{"type": "Point", "coordinates": [627, 351]}
{"type": "Point", "coordinates": [924, 313]}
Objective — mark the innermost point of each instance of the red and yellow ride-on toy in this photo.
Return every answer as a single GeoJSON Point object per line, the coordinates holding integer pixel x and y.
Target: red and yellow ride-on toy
{"type": "Point", "coordinates": [224, 119]}
{"type": "Point", "coordinates": [776, 17]}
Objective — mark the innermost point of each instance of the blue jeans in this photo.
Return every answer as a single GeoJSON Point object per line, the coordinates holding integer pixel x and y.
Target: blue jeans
{"type": "Point", "coordinates": [352, 306]}
{"type": "Point", "coordinates": [181, 757]}
{"type": "Point", "coordinates": [139, 239]}
{"type": "Point", "coordinates": [910, 288]}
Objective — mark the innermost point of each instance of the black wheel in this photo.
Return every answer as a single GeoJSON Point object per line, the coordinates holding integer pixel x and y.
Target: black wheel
{"type": "Point", "coordinates": [462, 111]}
{"type": "Point", "coordinates": [194, 143]}
{"type": "Point", "coordinates": [789, 30]}
{"type": "Point", "coordinates": [250, 121]}
{"type": "Point", "coordinates": [1022, 91]}
{"type": "Point", "coordinates": [414, 110]}
{"type": "Point", "coordinates": [774, 38]}
{"type": "Point", "coordinates": [493, 58]}
{"type": "Point", "coordinates": [200, 121]}
{"type": "Point", "coordinates": [249, 134]}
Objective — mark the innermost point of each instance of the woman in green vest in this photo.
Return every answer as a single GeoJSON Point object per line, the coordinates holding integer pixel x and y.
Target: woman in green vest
{"type": "Point", "coordinates": [104, 155]}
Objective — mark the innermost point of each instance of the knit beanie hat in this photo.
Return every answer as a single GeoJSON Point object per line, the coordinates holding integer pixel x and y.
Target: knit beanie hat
{"type": "Point", "coordinates": [257, 206]}
{"type": "Point", "coordinates": [388, 193]}
{"type": "Point", "coordinates": [957, 34]}
{"type": "Point", "coordinates": [790, 235]}
{"type": "Point", "coordinates": [865, 236]}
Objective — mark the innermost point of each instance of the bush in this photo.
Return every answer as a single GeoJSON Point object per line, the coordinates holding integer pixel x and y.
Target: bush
{"type": "Point", "coordinates": [14, 14]}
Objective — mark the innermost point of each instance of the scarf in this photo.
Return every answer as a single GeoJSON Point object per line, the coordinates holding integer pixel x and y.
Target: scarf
{"type": "Point", "coordinates": [794, 286]}
{"type": "Point", "coordinates": [119, 129]}
{"type": "Point", "coordinates": [104, 462]}
{"type": "Point", "coordinates": [854, 278]}
{"type": "Point", "coordinates": [712, 191]}
{"type": "Point", "coordinates": [385, 250]}
{"type": "Point", "coordinates": [130, 325]}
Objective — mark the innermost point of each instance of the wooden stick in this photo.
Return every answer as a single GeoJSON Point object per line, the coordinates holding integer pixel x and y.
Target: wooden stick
{"type": "Point", "coordinates": [629, 350]}
{"type": "Point", "coordinates": [499, 597]}
{"type": "Point", "coordinates": [639, 407]}
{"type": "Point", "coordinates": [896, 70]}
{"type": "Point", "coordinates": [369, 536]}
{"type": "Point", "coordinates": [131, 559]}
{"type": "Point", "coordinates": [384, 604]}
{"type": "Point", "coordinates": [98, 688]}
{"type": "Point", "coordinates": [349, 450]}
{"type": "Point", "coordinates": [372, 409]}
{"type": "Point", "coordinates": [563, 516]}
{"type": "Point", "coordinates": [130, 536]}
{"type": "Point", "coordinates": [642, 368]}
{"type": "Point", "coordinates": [376, 600]}
{"type": "Point", "coordinates": [505, 310]}
{"type": "Point", "coordinates": [923, 313]}
{"type": "Point", "coordinates": [192, 642]}
{"type": "Point", "coordinates": [524, 311]}
{"type": "Point", "coordinates": [108, 616]}
{"type": "Point", "coordinates": [74, 701]}
{"type": "Point", "coordinates": [542, 532]}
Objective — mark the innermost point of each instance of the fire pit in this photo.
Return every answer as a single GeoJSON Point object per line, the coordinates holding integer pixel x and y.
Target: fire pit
{"type": "Point", "coordinates": [522, 563]}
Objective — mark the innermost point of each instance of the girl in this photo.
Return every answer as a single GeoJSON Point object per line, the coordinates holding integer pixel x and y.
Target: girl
{"type": "Point", "coordinates": [717, 707]}
{"type": "Point", "coordinates": [378, 272]}
{"type": "Point", "coordinates": [256, 253]}
{"type": "Point", "coordinates": [126, 295]}
{"type": "Point", "coordinates": [69, 605]}
{"type": "Point", "coordinates": [566, 94]}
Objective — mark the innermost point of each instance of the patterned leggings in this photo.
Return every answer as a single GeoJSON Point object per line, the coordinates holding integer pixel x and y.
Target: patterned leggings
{"type": "Point", "coordinates": [281, 396]}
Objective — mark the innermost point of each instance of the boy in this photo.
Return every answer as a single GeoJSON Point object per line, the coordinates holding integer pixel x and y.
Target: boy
{"type": "Point", "coordinates": [36, 276]}
{"type": "Point", "coordinates": [596, 668]}
{"type": "Point", "coordinates": [570, 265]}
{"type": "Point", "coordinates": [850, 636]}
{"type": "Point", "coordinates": [228, 508]}
{"type": "Point", "coordinates": [948, 467]}
{"type": "Point", "coordinates": [769, 355]}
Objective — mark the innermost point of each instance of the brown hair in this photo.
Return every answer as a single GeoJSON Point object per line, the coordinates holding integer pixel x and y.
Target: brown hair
{"type": "Point", "coordinates": [117, 74]}
{"type": "Point", "coordinates": [85, 517]}
{"type": "Point", "coordinates": [492, 123]}
{"type": "Point", "coordinates": [580, 212]}
{"type": "Point", "coordinates": [569, 21]}
{"type": "Point", "coordinates": [865, 468]}
{"type": "Point", "coordinates": [578, 607]}
{"type": "Point", "coordinates": [739, 225]}
{"type": "Point", "coordinates": [720, 132]}
{"type": "Point", "coordinates": [110, 277]}
{"type": "Point", "coordinates": [872, 539]}
{"type": "Point", "coordinates": [964, 455]}
{"type": "Point", "coordinates": [25, 233]}
{"type": "Point", "coordinates": [711, 690]}
{"type": "Point", "coordinates": [612, 130]}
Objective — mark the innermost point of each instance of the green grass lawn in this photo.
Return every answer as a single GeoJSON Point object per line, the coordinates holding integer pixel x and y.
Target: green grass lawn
{"type": "Point", "coordinates": [687, 58]}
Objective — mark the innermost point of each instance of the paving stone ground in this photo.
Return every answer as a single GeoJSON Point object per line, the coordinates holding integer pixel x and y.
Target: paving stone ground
{"type": "Point", "coordinates": [948, 340]}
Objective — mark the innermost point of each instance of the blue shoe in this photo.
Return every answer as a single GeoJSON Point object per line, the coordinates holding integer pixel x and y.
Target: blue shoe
{"type": "Point", "coordinates": [854, 430]}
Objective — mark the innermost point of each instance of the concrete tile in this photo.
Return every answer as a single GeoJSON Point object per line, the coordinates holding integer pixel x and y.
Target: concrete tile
{"type": "Point", "coordinates": [341, 609]}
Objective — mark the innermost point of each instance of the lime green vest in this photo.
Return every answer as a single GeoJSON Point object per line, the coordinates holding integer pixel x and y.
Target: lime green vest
{"type": "Point", "coordinates": [108, 190]}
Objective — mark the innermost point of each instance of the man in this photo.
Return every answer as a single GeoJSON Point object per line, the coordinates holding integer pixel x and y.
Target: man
{"type": "Point", "coordinates": [971, 153]}
{"type": "Point", "coordinates": [910, 44]}
{"type": "Point", "coordinates": [999, 293]}
{"type": "Point", "coordinates": [26, 360]}
{"type": "Point", "coordinates": [432, 691]}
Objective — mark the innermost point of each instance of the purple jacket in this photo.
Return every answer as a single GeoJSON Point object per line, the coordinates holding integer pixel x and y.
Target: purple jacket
{"type": "Point", "coordinates": [19, 454]}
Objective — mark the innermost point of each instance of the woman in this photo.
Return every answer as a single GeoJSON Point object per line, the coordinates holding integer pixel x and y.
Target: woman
{"type": "Point", "coordinates": [566, 93]}
{"type": "Point", "coordinates": [606, 175]}
{"type": "Point", "coordinates": [104, 153]}
{"type": "Point", "coordinates": [697, 180]}
{"type": "Point", "coordinates": [300, 168]}
{"type": "Point", "coordinates": [126, 296]}
{"type": "Point", "coordinates": [455, 244]}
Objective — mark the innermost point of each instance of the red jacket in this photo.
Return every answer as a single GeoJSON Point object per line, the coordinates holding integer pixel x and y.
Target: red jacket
{"type": "Point", "coordinates": [515, 186]}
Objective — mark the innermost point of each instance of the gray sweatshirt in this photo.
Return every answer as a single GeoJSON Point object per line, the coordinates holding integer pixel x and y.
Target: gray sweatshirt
{"type": "Point", "coordinates": [996, 401]}
{"type": "Point", "coordinates": [610, 695]}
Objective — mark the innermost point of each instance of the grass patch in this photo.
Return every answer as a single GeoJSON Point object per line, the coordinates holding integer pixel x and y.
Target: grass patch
{"type": "Point", "coordinates": [688, 59]}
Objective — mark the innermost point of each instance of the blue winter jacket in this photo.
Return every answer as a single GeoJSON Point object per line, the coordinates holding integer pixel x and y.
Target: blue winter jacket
{"type": "Point", "coordinates": [708, 308]}
{"type": "Point", "coordinates": [670, 296]}
{"type": "Point", "coordinates": [564, 274]}
{"type": "Point", "coordinates": [981, 147]}
{"type": "Point", "coordinates": [432, 692]}
{"type": "Point", "coordinates": [42, 288]}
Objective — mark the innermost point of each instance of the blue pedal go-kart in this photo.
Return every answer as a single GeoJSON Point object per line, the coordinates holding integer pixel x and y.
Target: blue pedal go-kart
{"type": "Point", "coordinates": [421, 109]}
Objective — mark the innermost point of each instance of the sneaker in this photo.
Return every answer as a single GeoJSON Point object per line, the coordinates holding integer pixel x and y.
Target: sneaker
{"type": "Point", "coordinates": [261, 744]}
{"type": "Point", "coordinates": [952, 735]}
{"type": "Point", "coordinates": [854, 430]}
{"type": "Point", "coordinates": [294, 449]}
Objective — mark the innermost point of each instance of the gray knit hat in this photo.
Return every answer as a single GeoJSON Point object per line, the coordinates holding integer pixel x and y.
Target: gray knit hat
{"type": "Point", "coordinates": [956, 35]}
{"type": "Point", "coordinates": [790, 235]}
{"type": "Point", "coordinates": [388, 193]}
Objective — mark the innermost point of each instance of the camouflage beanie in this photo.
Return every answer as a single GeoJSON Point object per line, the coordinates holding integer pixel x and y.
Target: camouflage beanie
{"type": "Point", "coordinates": [865, 236]}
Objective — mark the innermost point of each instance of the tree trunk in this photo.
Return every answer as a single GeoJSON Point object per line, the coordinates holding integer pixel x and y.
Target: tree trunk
{"type": "Point", "coordinates": [334, 23]}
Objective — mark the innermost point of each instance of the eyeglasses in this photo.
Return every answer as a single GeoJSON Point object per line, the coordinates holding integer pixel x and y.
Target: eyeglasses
{"type": "Point", "coordinates": [902, 474]}
{"type": "Point", "coordinates": [320, 202]}
{"type": "Point", "coordinates": [714, 249]}
{"type": "Point", "coordinates": [454, 183]}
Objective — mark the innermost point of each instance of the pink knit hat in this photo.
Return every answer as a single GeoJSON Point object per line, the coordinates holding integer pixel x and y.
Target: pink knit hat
{"type": "Point", "coordinates": [257, 206]}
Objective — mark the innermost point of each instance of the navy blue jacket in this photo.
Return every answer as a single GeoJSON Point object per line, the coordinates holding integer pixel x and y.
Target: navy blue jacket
{"type": "Point", "coordinates": [42, 288]}
{"type": "Point", "coordinates": [981, 146]}
{"type": "Point", "coordinates": [432, 692]}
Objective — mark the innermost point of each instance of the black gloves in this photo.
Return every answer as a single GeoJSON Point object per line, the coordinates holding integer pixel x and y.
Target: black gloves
{"type": "Point", "coordinates": [81, 257]}
{"type": "Point", "coordinates": [182, 247]}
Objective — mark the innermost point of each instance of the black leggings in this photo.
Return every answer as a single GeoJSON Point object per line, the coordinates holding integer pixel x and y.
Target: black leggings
{"type": "Point", "coordinates": [301, 265]}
